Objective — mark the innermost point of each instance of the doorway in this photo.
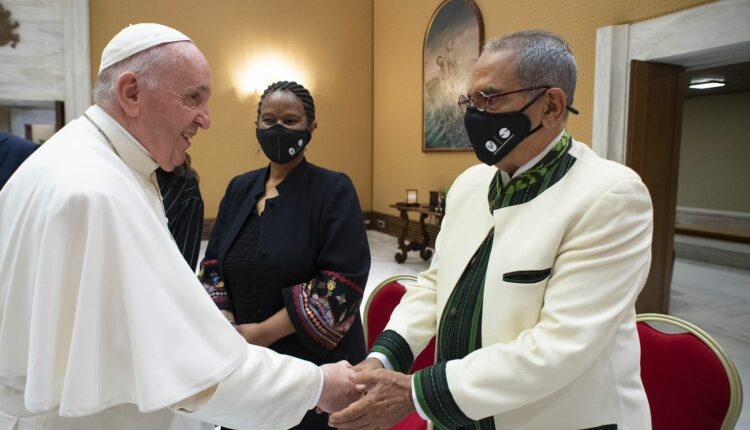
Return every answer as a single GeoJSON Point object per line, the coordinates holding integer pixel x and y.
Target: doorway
{"type": "Point", "coordinates": [667, 50]}
{"type": "Point", "coordinates": [710, 35]}
{"type": "Point", "coordinates": [35, 121]}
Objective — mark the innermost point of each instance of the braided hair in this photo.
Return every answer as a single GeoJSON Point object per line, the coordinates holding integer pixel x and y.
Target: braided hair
{"type": "Point", "coordinates": [296, 89]}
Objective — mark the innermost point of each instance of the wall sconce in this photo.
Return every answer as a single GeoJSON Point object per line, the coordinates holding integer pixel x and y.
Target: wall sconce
{"type": "Point", "coordinates": [259, 72]}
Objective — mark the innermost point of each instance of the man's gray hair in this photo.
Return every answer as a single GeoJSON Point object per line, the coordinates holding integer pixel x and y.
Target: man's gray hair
{"type": "Point", "coordinates": [542, 58]}
{"type": "Point", "coordinates": [147, 66]}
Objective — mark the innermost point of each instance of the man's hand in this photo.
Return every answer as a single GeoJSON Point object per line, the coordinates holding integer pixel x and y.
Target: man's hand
{"type": "Point", "coordinates": [386, 401]}
{"type": "Point", "coordinates": [338, 387]}
{"type": "Point", "coordinates": [368, 364]}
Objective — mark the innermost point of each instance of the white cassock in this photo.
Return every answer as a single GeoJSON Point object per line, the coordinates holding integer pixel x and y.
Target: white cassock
{"type": "Point", "coordinates": [102, 323]}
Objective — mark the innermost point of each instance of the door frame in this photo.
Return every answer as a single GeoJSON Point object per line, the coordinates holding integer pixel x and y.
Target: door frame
{"type": "Point", "coordinates": [656, 94]}
{"type": "Point", "coordinates": [710, 35]}
{"type": "Point", "coordinates": [77, 53]}
{"type": "Point", "coordinates": [66, 71]}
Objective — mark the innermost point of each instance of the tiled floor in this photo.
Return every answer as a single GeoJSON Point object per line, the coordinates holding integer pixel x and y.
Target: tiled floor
{"type": "Point", "coordinates": [715, 298]}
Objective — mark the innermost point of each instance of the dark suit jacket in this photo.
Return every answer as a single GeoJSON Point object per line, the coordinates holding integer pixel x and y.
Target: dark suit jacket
{"type": "Point", "coordinates": [183, 205]}
{"type": "Point", "coordinates": [312, 229]}
{"type": "Point", "coordinates": [13, 151]}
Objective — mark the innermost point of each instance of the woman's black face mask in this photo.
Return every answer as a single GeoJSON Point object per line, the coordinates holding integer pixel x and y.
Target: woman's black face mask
{"type": "Point", "coordinates": [281, 144]}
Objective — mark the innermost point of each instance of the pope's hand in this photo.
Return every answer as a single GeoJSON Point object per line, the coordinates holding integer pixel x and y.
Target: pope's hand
{"type": "Point", "coordinates": [338, 388]}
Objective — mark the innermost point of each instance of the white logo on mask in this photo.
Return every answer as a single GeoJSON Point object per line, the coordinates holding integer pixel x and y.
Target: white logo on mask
{"type": "Point", "coordinates": [300, 142]}
{"type": "Point", "coordinates": [291, 151]}
{"type": "Point", "coordinates": [504, 133]}
{"type": "Point", "coordinates": [490, 145]}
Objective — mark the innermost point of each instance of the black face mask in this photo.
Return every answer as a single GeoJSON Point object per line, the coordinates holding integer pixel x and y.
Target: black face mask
{"type": "Point", "coordinates": [494, 135]}
{"type": "Point", "coordinates": [281, 144]}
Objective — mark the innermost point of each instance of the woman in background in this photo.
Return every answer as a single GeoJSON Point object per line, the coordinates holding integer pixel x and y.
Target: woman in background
{"type": "Point", "coordinates": [287, 260]}
{"type": "Point", "coordinates": [183, 206]}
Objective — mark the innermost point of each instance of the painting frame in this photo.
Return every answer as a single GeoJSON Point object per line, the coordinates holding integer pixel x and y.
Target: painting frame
{"type": "Point", "coordinates": [444, 80]}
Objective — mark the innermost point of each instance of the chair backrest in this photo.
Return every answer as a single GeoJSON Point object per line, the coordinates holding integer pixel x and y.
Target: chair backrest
{"type": "Point", "coordinates": [690, 381]}
{"type": "Point", "coordinates": [378, 308]}
{"type": "Point", "coordinates": [380, 304]}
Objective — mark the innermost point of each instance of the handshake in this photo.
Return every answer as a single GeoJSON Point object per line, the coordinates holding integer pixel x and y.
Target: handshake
{"type": "Point", "coordinates": [365, 396]}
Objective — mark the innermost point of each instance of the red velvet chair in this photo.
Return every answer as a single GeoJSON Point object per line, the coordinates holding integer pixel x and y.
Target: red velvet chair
{"type": "Point", "coordinates": [378, 307]}
{"type": "Point", "coordinates": [690, 382]}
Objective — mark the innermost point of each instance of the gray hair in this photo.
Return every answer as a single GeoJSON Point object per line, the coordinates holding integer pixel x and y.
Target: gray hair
{"type": "Point", "coordinates": [147, 66]}
{"type": "Point", "coordinates": [542, 58]}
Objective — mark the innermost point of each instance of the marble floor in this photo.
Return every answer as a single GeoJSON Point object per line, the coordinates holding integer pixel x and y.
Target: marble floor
{"type": "Point", "coordinates": [715, 298]}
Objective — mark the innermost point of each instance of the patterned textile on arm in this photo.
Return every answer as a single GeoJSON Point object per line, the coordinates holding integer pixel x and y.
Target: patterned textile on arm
{"type": "Point", "coordinates": [323, 309]}
{"type": "Point", "coordinates": [214, 286]}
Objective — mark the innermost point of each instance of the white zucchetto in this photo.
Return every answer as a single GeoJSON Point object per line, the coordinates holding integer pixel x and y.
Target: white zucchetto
{"type": "Point", "coordinates": [136, 38]}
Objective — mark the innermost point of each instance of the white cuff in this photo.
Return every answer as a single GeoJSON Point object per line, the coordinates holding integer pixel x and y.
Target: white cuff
{"type": "Point", "coordinates": [316, 398]}
{"type": "Point", "coordinates": [416, 403]}
{"type": "Point", "coordinates": [383, 359]}
{"type": "Point", "coordinates": [287, 385]}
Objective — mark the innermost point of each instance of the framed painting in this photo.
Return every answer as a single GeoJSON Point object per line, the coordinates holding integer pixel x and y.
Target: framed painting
{"type": "Point", "coordinates": [451, 46]}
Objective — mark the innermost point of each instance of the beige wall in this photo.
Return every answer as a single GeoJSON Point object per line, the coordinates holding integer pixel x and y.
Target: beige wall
{"type": "Point", "coordinates": [399, 29]}
{"type": "Point", "coordinates": [329, 40]}
{"type": "Point", "coordinates": [714, 154]}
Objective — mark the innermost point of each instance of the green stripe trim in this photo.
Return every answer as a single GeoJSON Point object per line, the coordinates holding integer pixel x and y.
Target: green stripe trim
{"type": "Point", "coordinates": [460, 324]}
{"type": "Point", "coordinates": [530, 184]}
{"type": "Point", "coordinates": [436, 400]}
{"type": "Point", "coordinates": [396, 349]}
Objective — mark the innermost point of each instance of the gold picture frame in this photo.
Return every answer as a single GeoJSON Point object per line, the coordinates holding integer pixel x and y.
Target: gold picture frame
{"type": "Point", "coordinates": [452, 44]}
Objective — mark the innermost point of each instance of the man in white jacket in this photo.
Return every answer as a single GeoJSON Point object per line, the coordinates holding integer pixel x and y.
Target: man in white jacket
{"type": "Point", "coordinates": [531, 293]}
{"type": "Point", "coordinates": [102, 324]}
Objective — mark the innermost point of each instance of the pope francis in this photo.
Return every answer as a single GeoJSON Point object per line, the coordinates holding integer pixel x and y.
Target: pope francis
{"type": "Point", "coordinates": [102, 324]}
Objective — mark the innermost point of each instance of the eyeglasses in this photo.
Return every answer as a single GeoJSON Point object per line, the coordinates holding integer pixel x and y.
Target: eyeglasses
{"type": "Point", "coordinates": [481, 101]}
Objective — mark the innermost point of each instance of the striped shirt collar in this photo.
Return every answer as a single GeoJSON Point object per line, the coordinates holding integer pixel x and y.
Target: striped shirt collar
{"type": "Point", "coordinates": [531, 163]}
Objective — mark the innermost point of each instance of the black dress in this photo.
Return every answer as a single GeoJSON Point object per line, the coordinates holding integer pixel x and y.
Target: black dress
{"type": "Point", "coordinates": [307, 253]}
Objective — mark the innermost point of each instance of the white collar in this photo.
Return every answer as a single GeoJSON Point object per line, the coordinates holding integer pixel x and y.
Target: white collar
{"type": "Point", "coordinates": [531, 163]}
{"type": "Point", "coordinates": [132, 153]}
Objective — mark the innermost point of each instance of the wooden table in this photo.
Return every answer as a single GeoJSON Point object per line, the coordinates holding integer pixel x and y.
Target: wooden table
{"type": "Point", "coordinates": [415, 245]}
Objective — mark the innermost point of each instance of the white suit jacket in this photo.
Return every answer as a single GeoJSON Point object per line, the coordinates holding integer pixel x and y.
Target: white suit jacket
{"type": "Point", "coordinates": [562, 352]}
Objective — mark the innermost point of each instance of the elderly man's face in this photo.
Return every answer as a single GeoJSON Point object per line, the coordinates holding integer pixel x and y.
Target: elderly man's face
{"type": "Point", "coordinates": [177, 107]}
{"type": "Point", "coordinates": [493, 73]}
